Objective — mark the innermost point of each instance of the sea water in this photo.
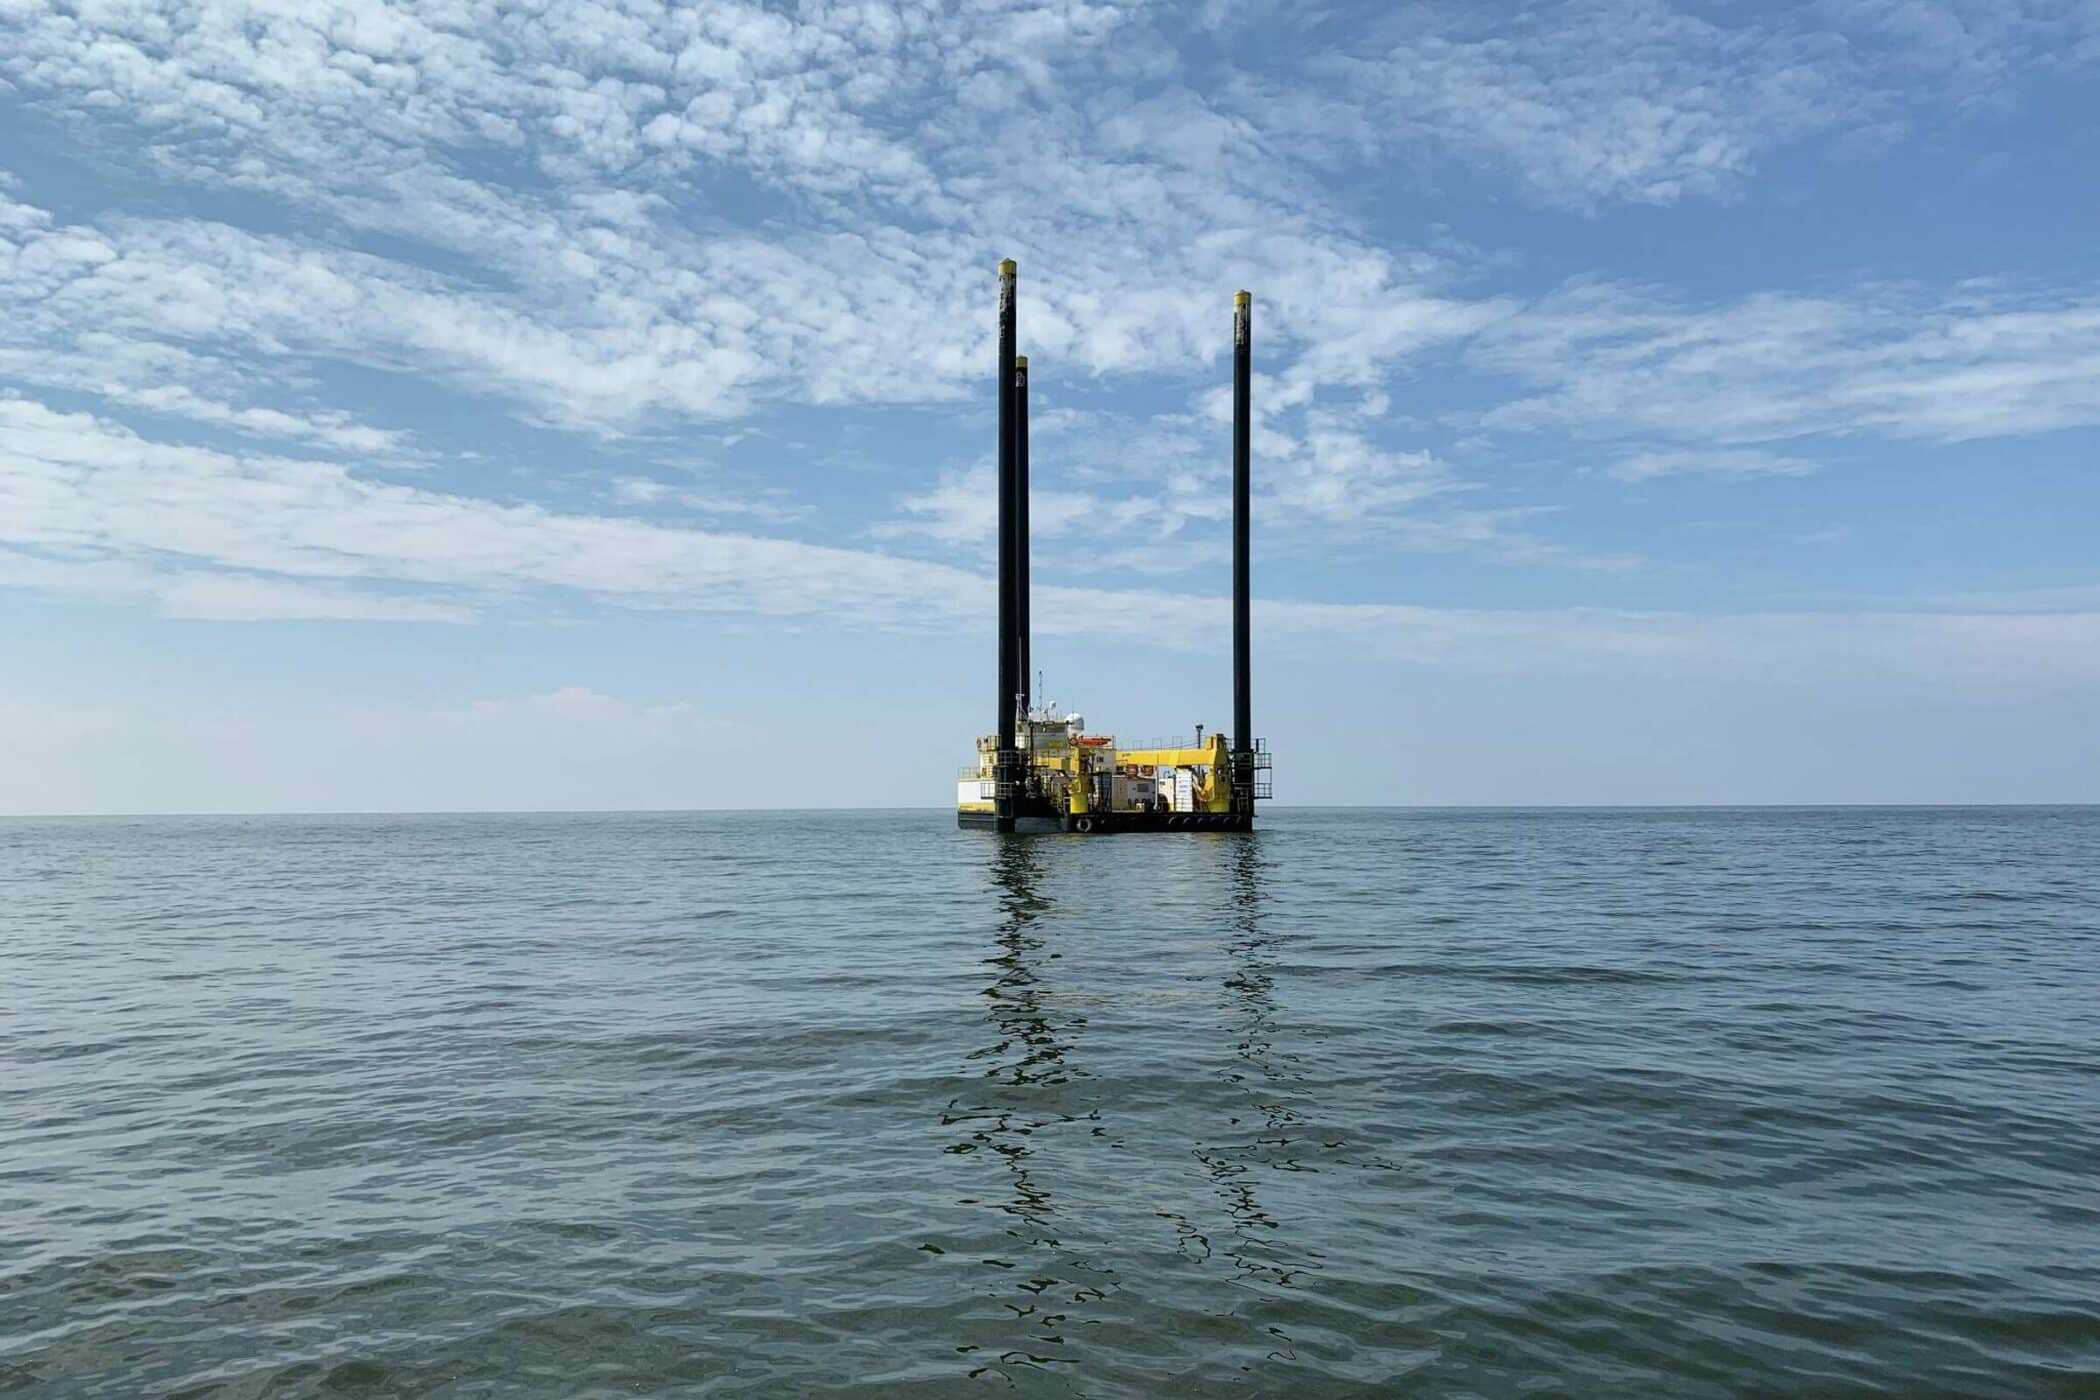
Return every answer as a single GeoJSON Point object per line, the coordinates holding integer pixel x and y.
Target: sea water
{"type": "Point", "coordinates": [1699, 1102]}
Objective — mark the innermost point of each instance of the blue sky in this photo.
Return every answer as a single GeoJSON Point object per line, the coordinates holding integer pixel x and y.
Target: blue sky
{"type": "Point", "coordinates": [460, 406]}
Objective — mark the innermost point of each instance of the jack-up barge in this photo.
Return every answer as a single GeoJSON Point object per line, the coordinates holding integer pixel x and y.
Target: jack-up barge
{"type": "Point", "coordinates": [1042, 772]}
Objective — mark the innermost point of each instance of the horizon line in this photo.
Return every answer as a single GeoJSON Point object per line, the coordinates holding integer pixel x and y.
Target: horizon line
{"type": "Point", "coordinates": [936, 809]}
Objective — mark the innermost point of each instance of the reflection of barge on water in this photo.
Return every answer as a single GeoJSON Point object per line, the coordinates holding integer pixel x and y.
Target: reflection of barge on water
{"type": "Point", "coordinates": [1042, 771]}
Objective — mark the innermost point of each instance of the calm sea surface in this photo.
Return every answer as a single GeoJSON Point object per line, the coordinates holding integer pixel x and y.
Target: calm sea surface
{"type": "Point", "coordinates": [1443, 1103]}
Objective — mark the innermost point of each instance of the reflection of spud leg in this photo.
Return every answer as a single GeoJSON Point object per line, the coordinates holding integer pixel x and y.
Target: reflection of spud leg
{"type": "Point", "coordinates": [1024, 1079]}
{"type": "Point", "coordinates": [1254, 1242]}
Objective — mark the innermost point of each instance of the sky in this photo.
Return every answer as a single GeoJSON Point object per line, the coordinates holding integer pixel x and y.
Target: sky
{"type": "Point", "coordinates": [462, 405]}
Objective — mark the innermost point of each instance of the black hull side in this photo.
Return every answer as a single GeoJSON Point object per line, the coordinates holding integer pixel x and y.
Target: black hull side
{"type": "Point", "coordinates": [1105, 823]}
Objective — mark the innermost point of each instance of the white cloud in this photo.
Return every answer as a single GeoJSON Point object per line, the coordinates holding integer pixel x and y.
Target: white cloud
{"type": "Point", "coordinates": [198, 283]}
{"type": "Point", "coordinates": [1341, 476]}
{"type": "Point", "coordinates": [48, 339]}
{"type": "Point", "coordinates": [233, 598]}
{"type": "Point", "coordinates": [86, 499]}
{"type": "Point", "coordinates": [1983, 652]}
{"type": "Point", "coordinates": [520, 209]}
{"type": "Point", "coordinates": [88, 505]}
{"type": "Point", "coordinates": [647, 491]}
{"type": "Point", "coordinates": [1641, 101]}
{"type": "Point", "coordinates": [1736, 462]}
{"type": "Point", "coordinates": [640, 491]}
{"type": "Point", "coordinates": [140, 375]}
{"type": "Point", "coordinates": [1984, 361]}
{"type": "Point", "coordinates": [1328, 487]}
{"type": "Point", "coordinates": [568, 707]}
{"type": "Point", "coordinates": [608, 297]}
{"type": "Point", "coordinates": [1596, 100]}
{"type": "Point", "coordinates": [604, 291]}
{"type": "Point", "coordinates": [1974, 51]}
{"type": "Point", "coordinates": [323, 428]}
{"type": "Point", "coordinates": [962, 510]}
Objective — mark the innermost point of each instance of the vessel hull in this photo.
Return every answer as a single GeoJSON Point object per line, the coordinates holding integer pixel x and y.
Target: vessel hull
{"type": "Point", "coordinates": [1105, 823]}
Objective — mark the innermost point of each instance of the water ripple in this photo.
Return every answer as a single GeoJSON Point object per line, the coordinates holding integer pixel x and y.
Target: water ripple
{"type": "Point", "coordinates": [1687, 1103]}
